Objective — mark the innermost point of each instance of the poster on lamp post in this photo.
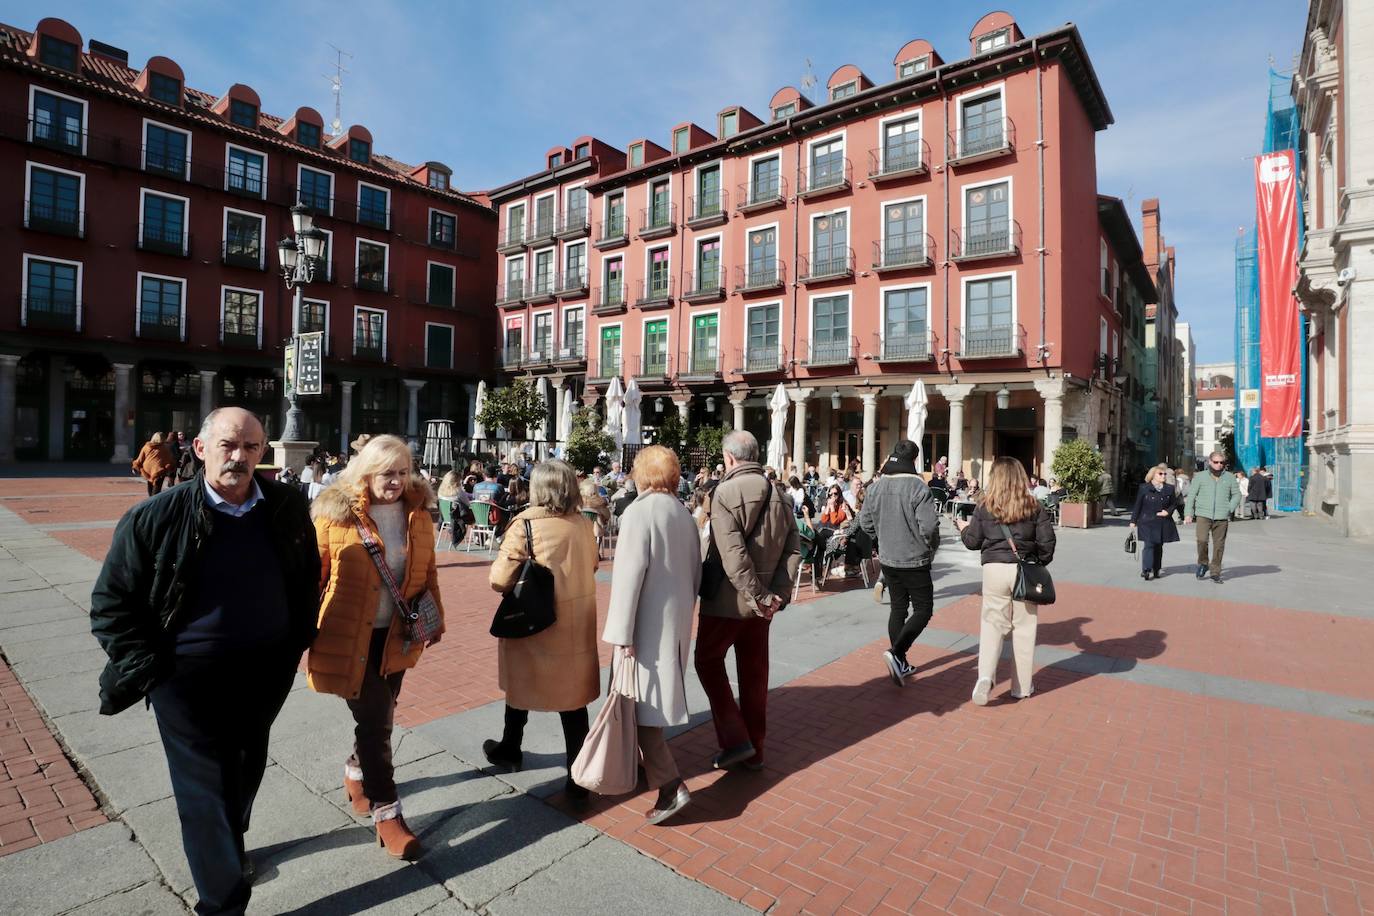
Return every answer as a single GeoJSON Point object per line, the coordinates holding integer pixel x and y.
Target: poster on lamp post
{"type": "Point", "coordinates": [310, 363]}
{"type": "Point", "coordinates": [1280, 349]}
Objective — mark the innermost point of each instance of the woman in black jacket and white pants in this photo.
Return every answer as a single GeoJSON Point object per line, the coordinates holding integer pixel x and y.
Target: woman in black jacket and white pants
{"type": "Point", "coordinates": [1007, 501]}
{"type": "Point", "coordinates": [1152, 519]}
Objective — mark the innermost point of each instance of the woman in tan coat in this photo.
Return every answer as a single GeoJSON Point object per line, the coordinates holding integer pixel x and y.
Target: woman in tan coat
{"type": "Point", "coordinates": [155, 463]}
{"type": "Point", "coordinates": [554, 670]}
{"type": "Point", "coordinates": [361, 652]}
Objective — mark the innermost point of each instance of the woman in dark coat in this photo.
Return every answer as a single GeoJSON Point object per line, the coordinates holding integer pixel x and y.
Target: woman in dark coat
{"type": "Point", "coordinates": [1152, 519]}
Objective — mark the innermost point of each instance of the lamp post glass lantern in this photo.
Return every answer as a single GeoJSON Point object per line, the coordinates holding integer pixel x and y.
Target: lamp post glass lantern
{"type": "Point", "coordinates": [299, 256]}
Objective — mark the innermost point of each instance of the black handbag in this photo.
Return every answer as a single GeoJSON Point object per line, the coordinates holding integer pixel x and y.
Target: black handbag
{"type": "Point", "coordinates": [1131, 542]}
{"type": "Point", "coordinates": [1033, 582]}
{"type": "Point", "coordinates": [528, 608]}
{"type": "Point", "coordinates": [712, 569]}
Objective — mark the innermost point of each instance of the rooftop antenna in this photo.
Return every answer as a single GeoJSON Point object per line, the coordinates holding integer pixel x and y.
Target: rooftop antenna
{"type": "Point", "coordinates": [336, 85]}
{"type": "Point", "coordinates": [808, 80]}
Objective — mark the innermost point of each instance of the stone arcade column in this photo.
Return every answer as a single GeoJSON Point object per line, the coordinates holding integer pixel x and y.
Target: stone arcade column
{"type": "Point", "coordinates": [57, 407]}
{"type": "Point", "coordinates": [799, 396]}
{"type": "Point", "coordinates": [683, 401]}
{"type": "Point", "coordinates": [123, 431]}
{"type": "Point", "coordinates": [207, 392]}
{"type": "Point", "coordinates": [413, 387]}
{"type": "Point", "coordinates": [346, 416]}
{"type": "Point", "coordinates": [9, 366]}
{"type": "Point", "coordinates": [737, 400]}
{"type": "Point", "coordinates": [870, 445]}
{"type": "Point", "coordinates": [1052, 390]}
{"type": "Point", "coordinates": [955, 395]}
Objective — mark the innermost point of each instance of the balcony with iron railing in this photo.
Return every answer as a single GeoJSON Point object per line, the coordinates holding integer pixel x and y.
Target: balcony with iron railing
{"type": "Point", "coordinates": [981, 141]}
{"type": "Point", "coordinates": [509, 357]}
{"type": "Point", "coordinates": [571, 351]}
{"type": "Point", "coordinates": [655, 367]}
{"type": "Point", "coordinates": [831, 178]}
{"type": "Point", "coordinates": [997, 342]}
{"type": "Point", "coordinates": [238, 336]}
{"type": "Point", "coordinates": [760, 195]}
{"type": "Point", "coordinates": [708, 209]}
{"type": "Point", "coordinates": [572, 224]}
{"type": "Point", "coordinates": [657, 222]}
{"type": "Point", "coordinates": [366, 350]}
{"type": "Point", "coordinates": [986, 239]}
{"type": "Point", "coordinates": [700, 367]}
{"type": "Point", "coordinates": [840, 352]}
{"type": "Point", "coordinates": [539, 288]}
{"type": "Point", "coordinates": [654, 293]}
{"type": "Point", "coordinates": [443, 235]}
{"type": "Point", "coordinates": [245, 185]}
{"type": "Point", "coordinates": [761, 275]}
{"type": "Point", "coordinates": [757, 360]}
{"type": "Point", "coordinates": [163, 239]}
{"type": "Point", "coordinates": [609, 300]}
{"type": "Point", "coordinates": [833, 263]}
{"type": "Point", "coordinates": [376, 281]}
{"type": "Point", "coordinates": [159, 327]}
{"type": "Point", "coordinates": [542, 228]}
{"type": "Point", "coordinates": [905, 159]}
{"type": "Point", "coordinates": [374, 216]}
{"type": "Point", "coordinates": [903, 347]}
{"type": "Point", "coordinates": [571, 284]}
{"type": "Point", "coordinates": [511, 293]}
{"type": "Point", "coordinates": [705, 285]}
{"type": "Point", "coordinates": [56, 219]}
{"type": "Point", "coordinates": [316, 204]}
{"type": "Point", "coordinates": [51, 313]}
{"type": "Point", "coordinates": [611, 233]}
{"type": "Point", "coordinates": [906, 251]}
{"type": "Point", "coordinates": [56, 136]}
{"type": "Point", "coordinates": [158, 162]}
{"type": "Point", "coordinates": [245, 253]}
{"type": "Point", "coordinates": [511, 239]}
{"type": "Point", "coordinates": [538, 354]}
{"type": "Point", "coordinates": [604, 369]}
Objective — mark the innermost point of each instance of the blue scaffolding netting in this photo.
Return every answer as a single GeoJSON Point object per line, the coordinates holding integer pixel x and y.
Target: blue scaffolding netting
{"type": "Point", "coordinates": [1285, 457]}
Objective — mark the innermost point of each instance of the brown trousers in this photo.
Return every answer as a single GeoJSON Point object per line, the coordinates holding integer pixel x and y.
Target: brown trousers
{"type": "Point", "coordinates": [1207, 527]}
{"type": "Point", "coordinates": [659, 766]}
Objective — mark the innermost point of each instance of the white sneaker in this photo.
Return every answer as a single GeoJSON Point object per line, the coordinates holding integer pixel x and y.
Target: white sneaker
{"type": "Point", "coordinates": [894, 668]}
{"type": "Point", "coordinates": [1024, 696]}
{"type": "Point", "coordinates": [981, 691]}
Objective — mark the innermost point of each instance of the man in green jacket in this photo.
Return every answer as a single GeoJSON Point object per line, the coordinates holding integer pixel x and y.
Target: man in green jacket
{"type": "Point", "coordinates": [1212, 498]}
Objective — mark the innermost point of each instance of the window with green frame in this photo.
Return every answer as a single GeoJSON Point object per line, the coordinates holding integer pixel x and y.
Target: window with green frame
{"type": "Point", "coordinates": [610, 351]}
{"type": "Point", "coordinates": [705, 343]}
{"type": "Point", "coordinates": [656, 346]}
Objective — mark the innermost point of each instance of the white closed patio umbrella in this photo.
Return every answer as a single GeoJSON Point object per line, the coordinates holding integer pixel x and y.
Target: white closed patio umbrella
{"type": "Point", "coordinates": [777, 442]}
{"type": "Point", "coordinates": [633, 397]}
{"type": "Point", "coordinates": [918, 408]}
{"type": "Point", "coordinates": [546, 395]}
{"type": "Point", "coordinates": [615, 409]}
{"type": "Point", "coordinates": [479, 431]}
{"type": "Point", "coordinates": [566, 417]}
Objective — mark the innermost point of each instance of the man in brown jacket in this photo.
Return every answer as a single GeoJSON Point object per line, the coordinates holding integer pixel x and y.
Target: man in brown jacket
{"type": "Point", "coordinates": [754, 537]}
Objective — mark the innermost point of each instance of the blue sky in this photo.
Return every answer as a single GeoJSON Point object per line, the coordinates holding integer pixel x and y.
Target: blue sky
{"type": "Point", "coordinates": [488, 87]}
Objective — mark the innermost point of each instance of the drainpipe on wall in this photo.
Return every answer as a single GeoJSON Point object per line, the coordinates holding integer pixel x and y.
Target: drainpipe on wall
{"type": "Point", "coordinates": [796, 220]}
{"type": "Point", "coordinates": [679, 313]}
{"type": "Point", "coordinates": [1040, 162]}
{"type": "Point", "coordinates": [948, 229]}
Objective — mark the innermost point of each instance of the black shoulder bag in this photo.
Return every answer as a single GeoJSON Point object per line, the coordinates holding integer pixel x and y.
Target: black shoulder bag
{"type": "Point", "coordinates": [1033, 582]}
{"type": "Point", "coordinates": [712, 569]}
{"type": "Point", "coordinates": [528, 608]}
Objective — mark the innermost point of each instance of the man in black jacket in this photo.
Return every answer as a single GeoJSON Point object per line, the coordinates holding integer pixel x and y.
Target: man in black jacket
{"type": "Point", "coordinates": [207, 598]}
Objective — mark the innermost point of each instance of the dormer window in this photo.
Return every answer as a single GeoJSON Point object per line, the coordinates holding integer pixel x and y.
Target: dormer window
{"type": "Point", "coordinates": [729, 124]}
{"type": "Point", "coordinates": [993, 40]}
{"type": "Point", "coordinates": [164, 88]}
{"type": "Point", "coordinates": [244, 114]}
{"type": "Point", "coordinates": [360, 151]}
{"type": "Point", "coordinates": [308, 134]}
{"type": "Point", "coordinates": [912, 67]}
{"type": "Point", "coordinates": [438, 180]}
{"type": "Point", "coordinates": [681, 139]}
{"type": "Point", "coordinates": [784, 111]}
{"type": "Point", "coordinates": [55, 52]}
{"type": "Point", "coordinates": [582, 151]}
{"type": "Point", "coordinates": [555, 160]}
{"type": "Point", "coordinates": [844, 90]}
{"type": "Point", "coordinates": [636, 154]}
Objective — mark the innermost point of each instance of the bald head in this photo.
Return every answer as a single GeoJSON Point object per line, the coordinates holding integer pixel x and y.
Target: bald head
{"type": "Point", "coordinates": [231, 443]}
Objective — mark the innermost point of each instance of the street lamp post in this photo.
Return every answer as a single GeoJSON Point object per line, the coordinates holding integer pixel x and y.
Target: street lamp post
{"type": "Point", "coordinates": [299, 256]}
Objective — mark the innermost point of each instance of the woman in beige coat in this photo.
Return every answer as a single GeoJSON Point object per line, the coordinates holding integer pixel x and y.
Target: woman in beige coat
{"type": "Point", "coordinates": [653, 597]}
{"type": "Point", "coordinates": [554, 670]}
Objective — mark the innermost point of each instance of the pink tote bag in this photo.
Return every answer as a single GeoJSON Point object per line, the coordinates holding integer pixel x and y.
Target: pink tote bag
{"type": "Point", "coordinates": [608, 763]}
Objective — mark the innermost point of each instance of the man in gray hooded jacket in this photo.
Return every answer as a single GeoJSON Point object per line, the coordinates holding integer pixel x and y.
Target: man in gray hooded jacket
{"type": "Point", "coordinates": [900, 513]}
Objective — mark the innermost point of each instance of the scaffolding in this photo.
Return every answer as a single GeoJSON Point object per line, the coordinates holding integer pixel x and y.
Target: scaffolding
{"type": "Point", "coordinates": [1284, 457]}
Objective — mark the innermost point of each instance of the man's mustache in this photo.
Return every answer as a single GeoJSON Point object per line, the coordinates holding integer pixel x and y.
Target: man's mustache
{"type": "Point", "coordinates": [236, 466]}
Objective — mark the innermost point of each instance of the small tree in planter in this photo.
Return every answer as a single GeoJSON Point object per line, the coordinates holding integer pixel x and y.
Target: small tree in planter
{"type": "Point", "coordinates": [588, 441]}
{"type": "Point", "coordinates": [1078, 467]}
{"type": "Point", "coordinates": [518, 408]}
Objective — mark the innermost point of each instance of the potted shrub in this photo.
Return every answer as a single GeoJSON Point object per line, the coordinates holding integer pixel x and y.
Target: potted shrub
{"type": "Point", "coordinates": [1078, 467]}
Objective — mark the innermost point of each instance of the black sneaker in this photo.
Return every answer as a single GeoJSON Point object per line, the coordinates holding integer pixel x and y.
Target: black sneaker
{"type": "Point", "coordinates": [1201, 571]}
{"type": "Point", "coordinates": [894, 668]}
{"type": "Point", "coordinates": [1217, 579]}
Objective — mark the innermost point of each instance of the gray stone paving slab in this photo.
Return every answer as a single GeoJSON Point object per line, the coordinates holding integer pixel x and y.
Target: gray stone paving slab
{"type": "Point", "coordinates": [20, 586]}
{"type": "Point", "coordinates": [60, 696]}
{"type": "Point", "coordinates": [79, 593]}
{"type": "Point", "coordinates": [74, 870]}
{"type": "Point", "coordinates": [440, 786]}
{"type": "Point", "coordinates": [92, 659]}
{"type": "Point", "coordinates": [450, 907]}
{"type": "Point", "coordinates": [606, 876]}
{"type": "Point", "coordinates": [27, 601]}
{"type": "Point", "coordinates": [132, 777]}
{"type": "Point", "coordinates": [89, 734]}
{"type": "Point", "coordinates": [151, 899]}
{"type": "Point", "coordinates": [159, 832]}
{"type": "Point", "coordinates": [317, 760]}
{"type": "Point", "coordinates": [51, 647]}
{"type": "Point", "coordinates": [287, 812]}
{"type": "Point", "coordinates": [67, 626]}
{"type": "Point", "coordinates": [545, 766]}
{"type": "Point", "coordinates": [10, 620]}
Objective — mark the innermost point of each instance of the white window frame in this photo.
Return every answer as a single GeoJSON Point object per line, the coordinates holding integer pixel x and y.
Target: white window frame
{"type": "Point", "coordinates": [453, 289]}
{"type": "Point", "coordinates": [782, 324]}
{"type": "Point", "coordinates": [333, 183]}
{"type": "Point", "coordinates": [186, 216]}
{"type": "Point", "coordinates": [429, 225]}
{"type": "Point", "coordinates": [296, 318]}
{"type": "Point", "coordinates": [883, 124]}
{"type": "Point", "coordinates": [262, 231]}
{"type": "Point", "coordinates": [386, 258]}
{"type": "Point", "coordinates": [567, 191]}
{"type": "Point", "coordinates": [80, 286]}
{"type": "Point", "coordinates": [901, 288]}
{"type": "Point", "coordinates": [34, 89]}
{"type": "Point", "coordinates": [720, 123]}
{"type": "Point", "coordinates": [601, 328]}
{"type": "Point", "coordinates": [649, 191]}
{"type": "Point", "coordinates": [697, 242]}
{"type": "Point", "coordinates": [228, 148]}
{"type": "Point", "coordinates": [29, 166]}
{"type": "Point", "coordinates": [1102, 335]}
{"type": "Point", "coordinates": [510, 322]}
{"type": "Point", "coordinates": [630, 156]}
{"type": "Point", "coordinates": [143, 147]}
{"type": "Point", "coordinates": [777, 240]}
{"type": "Point", "coordinates": [750, 165]}
{"type": "Point", "coordinates": [262, 308]}
{"type": "Point", "coordinates": [974, 95]}
{"type": "Point", "coordinates": [832, 294]}
{"type": "Point", "coordinates": [882, 210]}
{"type": "Point", "coordinates": [963, 202]}
{"type": "Point", "coordinates": [606, 209]}
{"type": "Point", "coordinates": [648, 251]}
{"type": "Point", "coordinates": [563, 325]}
{"type": "Point", "coordinates": [386, 329]}
{"type": "Point", "coordinates": [452, 342]}
{"type": "Point", "coordinates": [384, 190]}
{"type": "Point", "coordinates": [846, 84]}
{"type": "Point", "coordinates": [553, 330]}
{"type": "Point", "coordinates": [505, 268]}
{"type": "Point", "coordinates": [1105, 259]}
{"type": "Point", "coordinates": [644, 323]}
{"type": "Point", "coordinates": [991, 37]}
{"type": "Point", "coordinates": [534, 211]}
{"type": "Point", "coordinates": [624, 278]}
{"type": "Point", "coordinates": [552, 251]}
{"type": "Point", "coordinates": [563, 258]}
{"type": "Point", "coordinates": [138, 300]}
{"type": "Point", "coordinates": [978, 278]}
{"type": "Point", "coordinates": [692, 333]}
{"type": "Point", "coordinates": [524, 219]}
{"type": "Point", "coordinates": [842, 135]}
{"type": "Point", "coordinates": [329, 252]}
{"type": "Point", "coordinates": [920, 59]}
{"type": "Point", "coordinates": [821, 214]}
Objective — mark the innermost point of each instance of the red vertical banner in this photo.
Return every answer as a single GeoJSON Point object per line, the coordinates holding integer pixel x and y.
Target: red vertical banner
{"type": "Point", "coordinates": [1280, 349]}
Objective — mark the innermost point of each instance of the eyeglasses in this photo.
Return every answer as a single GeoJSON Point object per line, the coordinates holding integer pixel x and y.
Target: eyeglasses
{"type": "Point", "coordinates": [1217, 461]}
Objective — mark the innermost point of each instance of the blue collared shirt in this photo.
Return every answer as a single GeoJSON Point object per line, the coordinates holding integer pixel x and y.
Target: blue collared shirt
{"type": "Point", "coordinates": [220, 504]}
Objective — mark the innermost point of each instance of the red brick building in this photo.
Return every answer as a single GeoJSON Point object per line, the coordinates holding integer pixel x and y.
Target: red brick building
{"type": "Point", "coordinates": [142, 279]}
{"type": "Point", "coordinates": [939, 222]}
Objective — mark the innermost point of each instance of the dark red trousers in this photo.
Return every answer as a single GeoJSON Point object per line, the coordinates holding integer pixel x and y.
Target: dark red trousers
{"type": "Point", "coordinates": [746, 720]}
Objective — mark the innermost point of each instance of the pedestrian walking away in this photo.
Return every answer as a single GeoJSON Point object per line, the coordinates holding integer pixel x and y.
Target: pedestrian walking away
{"type": "Point", "coordinates": [1008, 509]}
{"type": "Point", "coordinates": [155, 463]}
{"type": "Point", "coordinates": [1182, 480]}
{"type": "Point", "coordinates": [757, 583]}
{"type": "Point", "coordinates": [1152, 518]}
{"type": "Point", "coordinates": [1212, 499]}
{"type": "Point", "coordinates": [206, 599]}
{"type": "Point", "coordinates": [899, 512]}
{"type": "Point", "coordinates": [554, 670]}
{"type": "Point", "coordinates": [1258, 494]}
{"type": "Point", "coordinates": [363, 649]}
{"type": "Point", "coordinates": [653, 594]}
